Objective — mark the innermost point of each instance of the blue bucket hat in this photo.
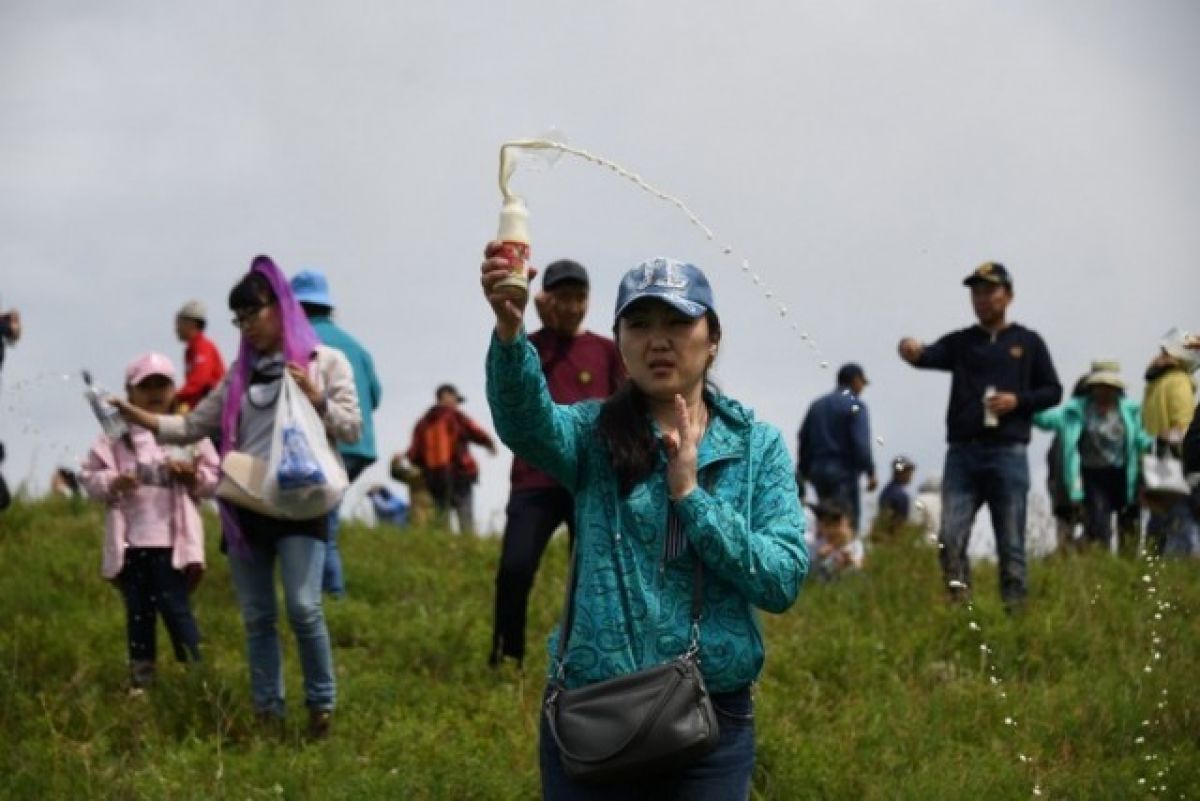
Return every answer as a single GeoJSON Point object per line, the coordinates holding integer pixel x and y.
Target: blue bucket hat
{"type": "Point", "coordinates": [311, 286]}
{"type": "Point", "coordinates": [680, 285]}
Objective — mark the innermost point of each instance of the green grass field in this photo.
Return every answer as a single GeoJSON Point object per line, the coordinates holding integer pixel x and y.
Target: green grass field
{"type": "Point", "coordinates": [874, 688]}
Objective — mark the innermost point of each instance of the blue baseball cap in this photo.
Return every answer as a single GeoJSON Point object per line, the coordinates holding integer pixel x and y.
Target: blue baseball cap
{"type": "Point", "coordinates": [311, 286]}
{"type": "Point", "coordinates": [680, 285]}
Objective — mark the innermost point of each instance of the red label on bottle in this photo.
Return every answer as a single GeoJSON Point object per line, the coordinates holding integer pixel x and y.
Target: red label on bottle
{"type": "Point", "coordinates": [517, 254]}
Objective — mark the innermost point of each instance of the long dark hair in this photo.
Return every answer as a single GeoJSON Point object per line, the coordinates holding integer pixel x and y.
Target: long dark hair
{"type": "Point", "coordinates": [624, 425]}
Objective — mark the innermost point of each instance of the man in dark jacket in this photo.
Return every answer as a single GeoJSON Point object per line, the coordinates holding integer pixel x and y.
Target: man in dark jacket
{"type": "Point", "coordinates": [835, 444]}
{"type": "Point", "coordinates": [1001, 374]}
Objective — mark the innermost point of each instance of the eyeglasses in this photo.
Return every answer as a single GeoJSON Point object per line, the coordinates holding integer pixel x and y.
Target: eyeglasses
{"type": "Point", "coordinates": [243, 317]}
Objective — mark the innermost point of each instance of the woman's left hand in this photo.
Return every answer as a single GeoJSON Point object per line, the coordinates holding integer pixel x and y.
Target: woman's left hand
{"type": "Point", "coordinates": [300, 376]}
{"type": "Point", "coordinates": [682, 446]}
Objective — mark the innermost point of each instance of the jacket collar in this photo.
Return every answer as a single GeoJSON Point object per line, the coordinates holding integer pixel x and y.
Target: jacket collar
{"type": "Point", "coordinates": [728, 430]}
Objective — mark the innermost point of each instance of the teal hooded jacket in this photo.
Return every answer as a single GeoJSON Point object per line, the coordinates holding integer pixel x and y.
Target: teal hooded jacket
{"type": "Point", "coordinates": [1068, 421]}
{"type": "Point", "coordinates": [632, 604]}
{"type": "Point", "coordinates": [366, 382]}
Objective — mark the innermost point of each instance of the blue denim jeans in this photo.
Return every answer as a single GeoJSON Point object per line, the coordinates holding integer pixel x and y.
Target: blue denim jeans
{"type": "Point", "coordinates": [301, 560]}
{"type": "Point", "coordinates": [834, 482]}
{"type": "Point", "coordinates": [997, 475]}
{"type": "Point", "coordinates": [1173, 532]}
{"type": "Point", "coordinates": [721, 775]}
{"type": "Point", "coordinates": [333, 581]}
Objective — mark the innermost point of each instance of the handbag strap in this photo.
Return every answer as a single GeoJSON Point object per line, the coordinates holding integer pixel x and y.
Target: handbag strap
{"type": "Point", "coordinates": [568, 618]}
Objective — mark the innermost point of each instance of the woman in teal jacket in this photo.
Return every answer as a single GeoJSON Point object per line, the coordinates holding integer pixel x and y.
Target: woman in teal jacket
{"type": "Point", "coordinates": [1102, 440]}
{"type": "Point", "coordinates": [664, 472]}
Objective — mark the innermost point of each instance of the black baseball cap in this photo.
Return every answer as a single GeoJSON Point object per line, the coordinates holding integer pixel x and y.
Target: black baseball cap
{"type": "Point", "coordinates": [451, 389]}
{"type": "Point", "coordinates": [848, 372]}
{"type": "Point", "coordinates": [990, 272]}
{"type": "Point", "coordinates": [564, 270]}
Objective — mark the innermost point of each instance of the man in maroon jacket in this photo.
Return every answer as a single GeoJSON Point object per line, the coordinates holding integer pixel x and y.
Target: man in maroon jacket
{"type": "Point", "coordinates": [203, 366]}
{"type": "Point", "coordinates": [578, 366]}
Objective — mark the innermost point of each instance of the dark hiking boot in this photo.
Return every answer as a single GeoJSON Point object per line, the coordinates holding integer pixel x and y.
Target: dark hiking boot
{"type": "Point", "coordinates": [320, 723]}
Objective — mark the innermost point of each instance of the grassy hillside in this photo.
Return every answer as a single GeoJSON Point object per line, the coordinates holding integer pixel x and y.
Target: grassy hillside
{"type": "Point", "coordinates": [874, 688]}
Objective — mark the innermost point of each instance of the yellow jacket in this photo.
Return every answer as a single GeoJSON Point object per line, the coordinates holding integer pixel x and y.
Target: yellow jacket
{"type": "Point", "coordinates": [1170, 403]}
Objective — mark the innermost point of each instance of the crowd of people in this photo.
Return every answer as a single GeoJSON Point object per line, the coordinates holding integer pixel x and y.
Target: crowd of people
{"type": "Point", "coordinates": [1104, 462]}
{"type": "Point", "coordinates": [683, 512]}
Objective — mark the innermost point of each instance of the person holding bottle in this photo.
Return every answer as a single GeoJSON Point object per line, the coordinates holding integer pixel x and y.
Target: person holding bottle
{"type": "Point", "coordinates": [1001, 375]}
{"type": "Point", "coordinates": [578, 365]}
{"type": "Point", "coordinates": [667, 474]}
{"type": "Point", "coordinates": [154, 538]}
{"type": "Point", "coordinates": [276, 337]}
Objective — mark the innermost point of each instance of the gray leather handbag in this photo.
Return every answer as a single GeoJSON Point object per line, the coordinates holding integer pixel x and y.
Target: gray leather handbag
{"type": "Point", "coordinates": [649, 722]}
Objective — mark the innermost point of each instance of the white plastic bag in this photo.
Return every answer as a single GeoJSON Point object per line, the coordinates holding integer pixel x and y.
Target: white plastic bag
{"type": "Point", "coordinates": [304, 477]}
{"type": "Point", "coordinates": [1162, 473]}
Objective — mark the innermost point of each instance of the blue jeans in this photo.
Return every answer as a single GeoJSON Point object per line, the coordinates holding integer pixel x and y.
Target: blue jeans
{"type": "Point", "coordinates": [301, 560]}
{"type": "Point", "coordinates": [835, 482]}
{"type": "Point", "coordinates": [332, 579]}
{"type": "Point", "coordinates": [997, 475]}
{"type": "Point", "coordinates": [1173, 532]}
{"type": "Point", "coordinates": [721, 775]}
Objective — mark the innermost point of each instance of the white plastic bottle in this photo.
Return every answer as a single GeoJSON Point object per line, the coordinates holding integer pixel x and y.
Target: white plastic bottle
{"type": "Point", "coordinates": [990, 420]}
{"type": "Point", "coordinates": [514, 236]}
{"type": "Point", "coordinates": [110, 419]}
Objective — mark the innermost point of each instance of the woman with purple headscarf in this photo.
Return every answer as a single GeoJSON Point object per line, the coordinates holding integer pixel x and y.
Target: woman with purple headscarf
{"type": "Point", "coordinates": [276, 336]}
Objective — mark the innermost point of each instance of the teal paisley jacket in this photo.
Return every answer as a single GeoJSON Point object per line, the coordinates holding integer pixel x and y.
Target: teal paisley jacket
{"type": "Point", "coordinates": [632, 605]}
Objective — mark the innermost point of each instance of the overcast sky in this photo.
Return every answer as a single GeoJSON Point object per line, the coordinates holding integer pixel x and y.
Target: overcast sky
{"type": "Point", "coordinates": [864, 156]}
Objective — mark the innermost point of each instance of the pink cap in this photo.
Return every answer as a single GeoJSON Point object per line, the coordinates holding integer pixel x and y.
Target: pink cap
{"type": "Point", "coordinates": [146, 365]}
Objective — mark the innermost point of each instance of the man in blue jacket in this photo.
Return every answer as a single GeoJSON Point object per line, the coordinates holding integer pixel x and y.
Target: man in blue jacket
{"type": "Point", "coordinates": [312, 290]}
{"type": "Point", "coordinates": [1001, 375]}
{"type": "Point", "coordinates": [835, 444]}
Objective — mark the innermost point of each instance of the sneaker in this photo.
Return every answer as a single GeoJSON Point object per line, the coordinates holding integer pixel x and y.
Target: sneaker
{"type": "Point", "coordinates": [320, 721]}
{"type": "Point", "coordinates": [142, 674]}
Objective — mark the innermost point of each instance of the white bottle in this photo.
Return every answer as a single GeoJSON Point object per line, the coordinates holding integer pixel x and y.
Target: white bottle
{"type": "Point", "coordinates": [106, 414]}
{"type": "Point", "coordinates": [514, 235]}
{"type": "Point", "coordinates": [990, 420]}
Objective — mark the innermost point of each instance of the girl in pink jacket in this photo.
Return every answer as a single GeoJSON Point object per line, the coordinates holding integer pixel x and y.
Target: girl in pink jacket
{"type": "Point", "coordinates": [154, 538]}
